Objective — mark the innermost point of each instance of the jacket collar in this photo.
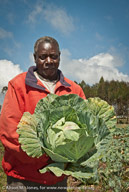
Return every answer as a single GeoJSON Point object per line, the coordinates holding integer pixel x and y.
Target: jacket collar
{"type": "Point", "coordinates": [31, 80]}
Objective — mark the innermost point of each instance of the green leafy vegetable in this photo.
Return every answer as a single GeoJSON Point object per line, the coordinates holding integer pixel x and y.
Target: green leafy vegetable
{"type": "Point", "coordinates": [71, 131]}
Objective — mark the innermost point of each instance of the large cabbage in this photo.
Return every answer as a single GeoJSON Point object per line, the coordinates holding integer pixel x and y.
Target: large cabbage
{"type": "Point", "coordinates": [71, 131]}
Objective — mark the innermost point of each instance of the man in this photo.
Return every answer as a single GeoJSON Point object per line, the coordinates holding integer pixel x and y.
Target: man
{"type": "Point", "coordinates": [24, 91]}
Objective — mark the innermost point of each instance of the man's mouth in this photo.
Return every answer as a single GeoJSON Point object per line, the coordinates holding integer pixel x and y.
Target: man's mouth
{"type": "Point", "coordinates": [49, 68]}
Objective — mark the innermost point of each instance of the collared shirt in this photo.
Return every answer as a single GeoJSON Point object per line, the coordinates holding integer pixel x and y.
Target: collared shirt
{"type": "Point", "coordinates": [50, 85]}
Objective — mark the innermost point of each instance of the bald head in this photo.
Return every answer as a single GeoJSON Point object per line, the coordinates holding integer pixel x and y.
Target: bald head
{"type": "Point", "coordinates": [45, 39]}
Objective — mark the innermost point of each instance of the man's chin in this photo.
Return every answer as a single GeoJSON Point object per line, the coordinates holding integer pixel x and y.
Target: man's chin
{"type": "Point", "coordinates": [50, 76]}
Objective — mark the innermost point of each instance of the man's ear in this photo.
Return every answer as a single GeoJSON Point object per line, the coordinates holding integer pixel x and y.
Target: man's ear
{"type": "Point", "coordinates": [34, 57]}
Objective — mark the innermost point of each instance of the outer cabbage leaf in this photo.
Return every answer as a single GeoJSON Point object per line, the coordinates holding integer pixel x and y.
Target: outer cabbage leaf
{"type": "Point", "coordinates": [74, 170]}
{"type": "Point", "coordinates": [96, 127]}
{"type": "Point", "coordinates": [56, 157]}
{"type": "Point", "coordinates": [44, 104]}
{"type": "Point", "coordinates": [103, 110]}
{"type": "Point", "coordinates": [27, 130]}
{"type": "Point", "coordinates": [71, 100]}
{"type": "Point", "coordinates": [53, 101]}
{"type": "Point", "coordinates": [76, 149]}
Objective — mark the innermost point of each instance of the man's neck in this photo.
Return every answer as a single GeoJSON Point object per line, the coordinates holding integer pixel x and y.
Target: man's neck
{"type": "Point", "coordinates": [48, 79]}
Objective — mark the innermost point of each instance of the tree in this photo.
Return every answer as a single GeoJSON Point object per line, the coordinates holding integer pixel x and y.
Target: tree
{"type": "Point", "coordinates": [4, 89]}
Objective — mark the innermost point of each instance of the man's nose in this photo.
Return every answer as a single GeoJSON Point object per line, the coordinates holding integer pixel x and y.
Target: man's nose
{"type": "Point", "coordinates": [48, 59]}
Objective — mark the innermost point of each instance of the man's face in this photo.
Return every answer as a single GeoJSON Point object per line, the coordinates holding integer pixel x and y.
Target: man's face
{"type": "Point", "coordinates": [47, 60]}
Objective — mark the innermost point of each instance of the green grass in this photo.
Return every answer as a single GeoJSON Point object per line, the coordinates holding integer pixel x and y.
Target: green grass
{"type": "Point", "coordinates": [122, 125]}
{"type": "Point", "coordinates": [2, 174]}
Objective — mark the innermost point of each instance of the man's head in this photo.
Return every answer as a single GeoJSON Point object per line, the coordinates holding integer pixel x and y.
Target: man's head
{"type": "Point", "coordinates": [47, 57]}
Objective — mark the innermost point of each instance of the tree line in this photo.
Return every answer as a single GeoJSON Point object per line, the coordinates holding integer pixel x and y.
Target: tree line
{"type": "Point", "coordinates": [116, 93]}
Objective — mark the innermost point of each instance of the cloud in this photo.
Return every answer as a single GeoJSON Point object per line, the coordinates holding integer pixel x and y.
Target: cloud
{"type": "Point", "coordinates": [11, 18]}
{"type": "Point", "coordinates": [8, 43]}
{"type": "Point", "coordinates": [5, 34]}
{"type": "Point", "coordinates": [8, 50]}
{"type": "Point", "coordinates": [8, 70]}
{"type": "Point", "coordinates": [32, 17]}
{"type": "Point", "coordinates": [109, 18]}
{"type": "Point", "coordinates": [31, 59]}
{"type": "Point", "coordinates": [11, 47]}
{"type": "Point", "coordinates": [92, 69]}
{"type": "Point", "coordinates": [59, 19]}
{"type": "Point", "coordinates": [56, 17]}
{"type": "Point", "coordinates": [99, 36]}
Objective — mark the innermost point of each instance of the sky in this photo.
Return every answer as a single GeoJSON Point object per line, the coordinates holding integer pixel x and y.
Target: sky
{"type": "Point", "coordinates": [93, 36]}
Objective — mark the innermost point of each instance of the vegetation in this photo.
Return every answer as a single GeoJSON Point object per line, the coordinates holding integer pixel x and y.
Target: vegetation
{"type": "Point", "coordinates": [2, 174]}
{"type": "Point", "coordinates": [114, 167]}
{"type": "Point", "coordinates": [114, 92]}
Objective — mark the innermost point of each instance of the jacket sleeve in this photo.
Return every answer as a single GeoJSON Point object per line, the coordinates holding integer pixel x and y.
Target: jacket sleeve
{"type": "Point", "coordinates": [79, 91]}
{"type": "Point", "coordinates": [12, 111]}
{"type": "Point", "coordinates": [81, 94]}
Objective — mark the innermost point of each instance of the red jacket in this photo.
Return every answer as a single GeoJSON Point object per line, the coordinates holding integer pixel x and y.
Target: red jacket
{"type": "Point", "coordinates": [24, 91]}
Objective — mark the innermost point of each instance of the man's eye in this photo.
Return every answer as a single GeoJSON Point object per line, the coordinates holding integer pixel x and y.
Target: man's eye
{"type": "Point", "coordinates": [43, 57]}
{"type": "Point", "coordinates": [54, 56]}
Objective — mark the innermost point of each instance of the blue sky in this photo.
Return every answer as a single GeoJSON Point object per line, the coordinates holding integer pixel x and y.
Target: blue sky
{"type": "Point", "coordinates": [93, 36]}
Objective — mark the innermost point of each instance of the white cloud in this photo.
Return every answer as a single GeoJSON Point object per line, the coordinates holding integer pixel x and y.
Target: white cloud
{"type": "Point", "coordinates": [32, 17]}
{"type": "Point", "coordinates": [59, 19]}
{"type": "Point", "coordinates": [10, 47]}
{"type": "Point", "coordinates": [8, 70]}
{"type": "Point", "coordinates": [31, 59]}
{"type": "Point", "coordinates": [56, 17]}
{"type": "Point", "coordinates": [92, 69]}
{"type": "Point", "coordinates": [8, 50]}
{"type": "Point", "coordinates": [5, 34]}
{"type": "Point", "coordinates": [99, 36]}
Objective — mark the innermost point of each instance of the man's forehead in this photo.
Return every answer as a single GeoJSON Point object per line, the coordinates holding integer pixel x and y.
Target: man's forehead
{"type": "Point", "coordinates": [47, 45]}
